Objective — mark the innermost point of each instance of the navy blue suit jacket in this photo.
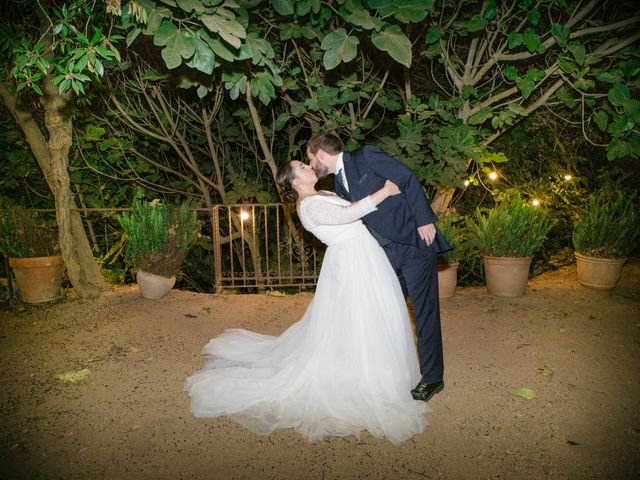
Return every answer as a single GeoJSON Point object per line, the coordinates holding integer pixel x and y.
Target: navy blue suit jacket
{"type": "Point", "coordinates": [398, 217]}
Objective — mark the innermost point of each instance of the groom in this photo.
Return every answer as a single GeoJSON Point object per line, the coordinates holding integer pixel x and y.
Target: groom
{"type": "Point", "coordinates": [404, 226]}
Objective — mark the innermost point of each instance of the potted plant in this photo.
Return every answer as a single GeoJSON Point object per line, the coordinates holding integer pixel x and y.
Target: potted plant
{"type": "Point", "coordinates": [506, 237]}
{"type": "Point", "coordinates": [448, 262]}
{"type": "Point", "coordinates": [604, 236]}
{"type": "Point", "coordinates": [159, 237]}
{"type": "Point", "coordinates": [32, 248]}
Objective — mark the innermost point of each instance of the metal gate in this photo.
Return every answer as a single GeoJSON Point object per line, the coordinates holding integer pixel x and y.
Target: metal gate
{"type": "Point", "coordinates": [258, 246]}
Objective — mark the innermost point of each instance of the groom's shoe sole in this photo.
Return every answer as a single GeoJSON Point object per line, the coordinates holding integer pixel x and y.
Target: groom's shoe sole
{"type": "Point", "coordinates": [425, 391]}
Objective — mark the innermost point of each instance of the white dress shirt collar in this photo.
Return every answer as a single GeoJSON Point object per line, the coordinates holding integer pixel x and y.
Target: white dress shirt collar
{"type": "Point", "coordinates": [339, 163]}
{"type": "Point", "coordinates": [340, 171]}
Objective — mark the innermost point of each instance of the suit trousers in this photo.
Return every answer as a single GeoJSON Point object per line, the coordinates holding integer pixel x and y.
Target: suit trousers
{"type": "Point", "coordinates": [417, 270]}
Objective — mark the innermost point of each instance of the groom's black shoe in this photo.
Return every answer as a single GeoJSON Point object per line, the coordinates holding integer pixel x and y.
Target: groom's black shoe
{"type": "Point", "coordinates": [424, 391]}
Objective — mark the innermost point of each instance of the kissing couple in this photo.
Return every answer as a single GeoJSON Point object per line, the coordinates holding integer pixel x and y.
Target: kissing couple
{"type": "Point", "coordinates": [350, 363]}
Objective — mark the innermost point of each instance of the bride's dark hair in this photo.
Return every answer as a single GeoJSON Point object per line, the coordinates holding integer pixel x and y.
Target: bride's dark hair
{"type": "Point", "coordinates": [284, 177]}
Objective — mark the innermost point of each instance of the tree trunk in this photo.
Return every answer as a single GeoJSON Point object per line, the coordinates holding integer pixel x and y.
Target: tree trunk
{"type": "Point", "coordinates": [52, 157]}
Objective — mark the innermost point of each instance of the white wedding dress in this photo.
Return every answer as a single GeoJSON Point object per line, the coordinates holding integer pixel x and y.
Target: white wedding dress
{"type": "Point", "coordinates": [349, 364]}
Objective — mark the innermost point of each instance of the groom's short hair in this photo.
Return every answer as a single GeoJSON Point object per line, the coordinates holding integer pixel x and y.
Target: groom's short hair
{"type": "Point", "coordinates": [327, 142]}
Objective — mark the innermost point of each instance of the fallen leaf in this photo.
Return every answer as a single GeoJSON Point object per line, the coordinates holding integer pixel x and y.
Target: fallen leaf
{"type": "Point", "coordinates": [276, 293]}
{"type": "Point", "coordinates": [571, 442]}
{"type": "Point", "coordinates": [526, 393]}
{"type": "Point", "coordinates": [546, 371]}
{"type": "Point", "coordinates": [73, 377]}
{"type": "Point", "coordinates": [189, 315]}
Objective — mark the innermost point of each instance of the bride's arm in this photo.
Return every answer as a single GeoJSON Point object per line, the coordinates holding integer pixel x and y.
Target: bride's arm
{"type": "Point", "coordinates": [322, 211]}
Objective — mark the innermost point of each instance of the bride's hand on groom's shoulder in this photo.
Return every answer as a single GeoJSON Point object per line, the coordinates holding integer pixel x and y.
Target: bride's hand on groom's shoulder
{"type": "Point", "coordinates": [392, 188]}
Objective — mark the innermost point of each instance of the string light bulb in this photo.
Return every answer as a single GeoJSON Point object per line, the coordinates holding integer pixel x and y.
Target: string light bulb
{"type": "Point", "coordinates": [244, 215]}
{"type": "Point", "coordinates": [466, 183]}
{"type": "Point", "coordinates": [535, 202]}
{"type": "Point", "coordinates": [567, 177]}
{"type": "Point", "coordinates": [493, 176]}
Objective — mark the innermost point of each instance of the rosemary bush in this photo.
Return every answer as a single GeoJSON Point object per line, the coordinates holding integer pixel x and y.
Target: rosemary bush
{"type": "Point", "coordinates": [609, 227]}
{"type": "Point", "coordinates": [512, 228]}
{"type": "Point", "coordinates": [23, 234]}
{"type": "Point", "coordinates": [159, 236]}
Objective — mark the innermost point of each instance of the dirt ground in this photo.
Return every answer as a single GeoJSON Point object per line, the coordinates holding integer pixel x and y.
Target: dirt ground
{"type": "Point", "coordinates": [577, 349]}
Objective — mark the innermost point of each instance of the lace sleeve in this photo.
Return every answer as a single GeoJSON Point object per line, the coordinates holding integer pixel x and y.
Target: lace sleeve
{"type": "Point", "coordinates": [320, 211]}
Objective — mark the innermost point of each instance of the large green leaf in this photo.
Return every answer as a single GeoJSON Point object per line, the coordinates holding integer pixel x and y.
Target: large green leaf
{"type": "Point", "coordinates": [561, 33]}
{"type": "Point", "coordinates": [155, 15]}
{"type": "Point", "coordinates": [339, 47]}
{"type": "Point", "coordinates": [525, 85]}
{"type": "Point", "coordinates": [228, 28]}
{"type": "Point", "coordinates": [283, 7]}
{"type": "Point", "coordinates": [178, 44]}
{"type": "Point", "coordinates": [510, 73]}
{"type": "Point", "coordinates": [566, 65]}
{"type": "Point", "coordinates": [219, 48]}
{"type": "Point", "coordinates": [262, 87]}
{"type": "Point", "coordinates": [565, 97]}
{"type": "Point", "coordinates": [203, 59]}
{"type": "Point", "coordinates": [476, 23]}
{"type": "Point", "coordinates": [362, 18]}
{"type": "Point", "coordinates": [531, 40]}
{"type": "Point", "coordinates": [579, 52]}
{"type": "Point", "coordinates": [190, 5]}
{"type": "Point", "coordinates": [261, 50]}
{"type": "Point", "coordinates": [610, 76]}
{"type": "Point", "coordinates": [303, 7]}
{"type": "Point", "coordinates": [395, 43]}
{"type": "Point", "coordinates": [481, 116]}
{"type": "Point", "coordinates": [602, 120]}
{"type": "Point", "coordinates": [406, 11]}
{"type": "Point", "coordinates": [236, 83]}
{"type": "Point", "coordinates": [618, 94]}
{"type": "Point", "coordinates": [412, 11]}
{"type": "Point", "coordinates": [434, 33]}
{"type": "Point", "coordinates": [535, 74]}
{"type": "Point", "coordinates": [515, 40]}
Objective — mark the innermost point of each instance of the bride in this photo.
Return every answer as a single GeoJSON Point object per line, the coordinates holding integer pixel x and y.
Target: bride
{"type": "Point", "coordinates": [348, 364]}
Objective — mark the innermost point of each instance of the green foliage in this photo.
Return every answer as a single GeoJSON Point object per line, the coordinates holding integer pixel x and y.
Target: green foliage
{"type": "Point", "coordinates": [24, 234]}
{"type": "Point", "coordinates": [609, 227]}
{"type": "Point", "coordinates": [451, 231]}
{"type": "Point", "coordinates": [159, 236]}
{"type": "Point", "coordinates": [72, 42]}
{"type": "Point", "coordinates": [512, 228]}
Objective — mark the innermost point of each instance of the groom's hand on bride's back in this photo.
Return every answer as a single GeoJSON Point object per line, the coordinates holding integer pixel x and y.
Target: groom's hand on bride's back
{"type": "Point", "coordinates": [427, 233]}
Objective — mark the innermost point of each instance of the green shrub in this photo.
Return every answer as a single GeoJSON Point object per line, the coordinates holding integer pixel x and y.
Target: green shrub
{"type": "Point", "coordinates": [609, 227]}
{"type": "Point", "coordinates": [159, 236]}
{"type": "Point", "coordinates": [451, 232]}
{"type": "Point", "coordinates": [512, 228]}
{"type": "Point", "coordinates": [23, 234]}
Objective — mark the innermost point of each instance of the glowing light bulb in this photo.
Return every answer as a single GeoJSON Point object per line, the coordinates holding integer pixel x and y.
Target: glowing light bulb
{"type": "Point", "coordinates": [535, 202]}
{"type": "Point", "coordinates": [244, 215]}
{"type": "Point", "coordinates": [567, 177]}
{"type": "Point", "coordinates": [493, 176]}
{"type": "Point", "coordinates": [466, 183]}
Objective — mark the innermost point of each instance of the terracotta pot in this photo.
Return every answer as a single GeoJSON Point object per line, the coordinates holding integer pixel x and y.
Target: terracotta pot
{"type": "Point", "coordinates": [152, 286]}
{"type": "Point", "coordinates": [447, 279]}
{"type": "Point", "coordinates": [507, 276]}
{"type": "Point", "coordinates": [599, 273]}
{"type": "Point", "coordinates": [38, 278]}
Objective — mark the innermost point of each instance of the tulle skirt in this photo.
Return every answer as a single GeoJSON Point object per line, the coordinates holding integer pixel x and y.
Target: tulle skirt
{"type": "Point", "coordinates": [347, 365]}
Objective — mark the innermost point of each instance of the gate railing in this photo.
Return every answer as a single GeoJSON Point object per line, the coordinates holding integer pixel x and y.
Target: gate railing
{"type": "Point", "coordinates": [256, 246]}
